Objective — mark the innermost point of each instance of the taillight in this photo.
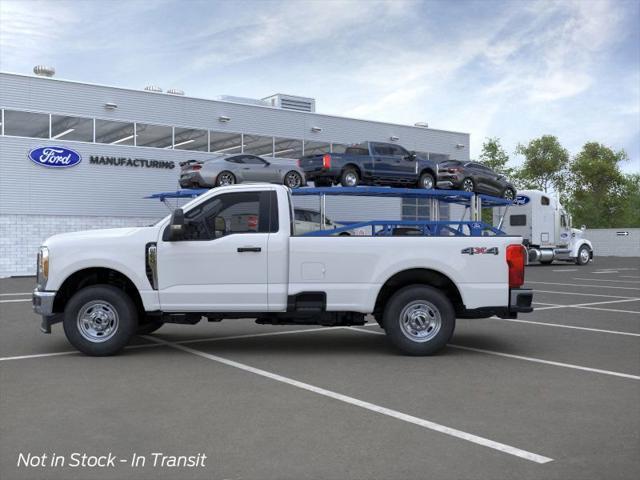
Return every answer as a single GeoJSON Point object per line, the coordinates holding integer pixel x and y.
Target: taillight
{"type": "Point", "coordinates": [299, 163]}
{"type": "Point", "coordinates": [326, 161]}
{"type": "Point", "coordinates": [515, 260]}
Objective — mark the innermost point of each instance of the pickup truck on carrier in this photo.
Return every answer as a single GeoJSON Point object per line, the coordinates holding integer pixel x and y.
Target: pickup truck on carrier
{"type": "Point", "coordinates": [107, 285]}
{"type": "Point", "coordinates": [369, 163]}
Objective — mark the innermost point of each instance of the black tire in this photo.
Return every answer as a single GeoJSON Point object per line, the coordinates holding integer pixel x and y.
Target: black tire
{"type": "Point", "coordinates": [322, 182]}
{"type": "Point", "coordinates": [293, 179]}
{"type": "Point", "coordinates": [509, 194]}
{"type": "Point", "coordinates": [225, 178]}
{"type": "Point", "coordinates": [546, 262]}
{"type": "Point", "coordinates": [427, 181]}
{"type": "Point", "coordinates": [436, 333]}
{"type": "Point", "coordinates": [468, 185]}
{"type": "Point", "coordinates": [584, 255]}
{"type": "Point", "coordinates": [89, 300]}
{"type": "Point", "coordinates": [349, 177]}
{"type": "Point", "coordinates": [149, 326]}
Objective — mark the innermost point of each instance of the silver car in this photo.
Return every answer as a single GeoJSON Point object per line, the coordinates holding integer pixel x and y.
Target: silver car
{"type": "Point", "coordinates": [230, 169]}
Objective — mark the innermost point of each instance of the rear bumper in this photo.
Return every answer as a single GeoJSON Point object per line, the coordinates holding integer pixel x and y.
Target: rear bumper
{"type": "Point", "coordinates": [42, 302]}
{"type": "Point", "coordinates": [520, 300]}
{"type": "Point", "coordinates": [192, 179]}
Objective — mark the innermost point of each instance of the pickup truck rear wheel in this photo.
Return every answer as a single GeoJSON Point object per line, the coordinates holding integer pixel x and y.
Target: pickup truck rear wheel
{"type": "Point", "coordinates": [99, 320]}
{"type": "Point", "coordinates": [426, 181]}
{"type": "Point", "coordinates": [419, 320]}
{"type": "Point", "coordinates": [349, 177]}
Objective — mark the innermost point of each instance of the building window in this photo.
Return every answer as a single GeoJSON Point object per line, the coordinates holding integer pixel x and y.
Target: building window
{"type": "Point", "coordinates": [26, 124]}
{"type": "Point", "coordinates": [338, 147]}
{"type": "Point", "coordinates": [316, 148]}
{"type": "Point", "coordinates": [114, 133]}
{"type": "Point", "coordinates": [258, 145]}
{"type": "Point", "coordinates": [71, 128]}
{"type": "Point", "coordinates": [225, 143]}
{"type": "Point", "coordinates": [287, 148]}
{"type": "Point", "coordinates": [191, 139]}
{"type": "Point", "coordinates": [157, 136]}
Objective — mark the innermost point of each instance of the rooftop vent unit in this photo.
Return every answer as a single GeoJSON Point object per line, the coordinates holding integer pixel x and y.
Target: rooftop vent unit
{"type": "Point", "coordinates": [421, 124]}
{"type": "Point", "coordinates": [245, 100]}
{"type": "Point", "coordinates": [153, 88]}
{"type": "Point", "coordinates": [291, 102]}
{"type": "Point", "coordinates": [44, 71]}
{"type": "Point", "coordinates": [175, 91]}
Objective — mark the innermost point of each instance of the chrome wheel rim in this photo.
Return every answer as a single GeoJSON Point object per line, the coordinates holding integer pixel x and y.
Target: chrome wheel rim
{"type": "Point", "coordinates": [584, 255]}
{"type": "Point", "coordinates": [98, 321]}
{"type": "Point", "coordinates": [420, 321]}
{"type": "Point", "coordinates": [293, 180]}
{"type": "Point", "coordinates": [351, 179]}
{"type": "Point", "coordinates": [226, 179]}
{"type": "Point", "coordinates": [427, 182]}
{"type": "Point", "coordinates": [467, 185]}
{"type": "Point", "coordinates": [508, 194]}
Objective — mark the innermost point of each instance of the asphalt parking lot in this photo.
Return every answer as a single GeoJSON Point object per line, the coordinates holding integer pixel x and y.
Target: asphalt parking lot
{"type": "Point", "coordinates": [552, 395]}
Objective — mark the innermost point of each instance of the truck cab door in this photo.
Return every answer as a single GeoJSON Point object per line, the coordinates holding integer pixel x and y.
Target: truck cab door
{"type": "Point", "coordinates": [565, 229]}
{"type": "Point", "coordinates": [220, 262]}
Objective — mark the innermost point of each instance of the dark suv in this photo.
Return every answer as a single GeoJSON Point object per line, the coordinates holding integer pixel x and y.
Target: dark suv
{"type": "Point", "coordinates": [474, 177]}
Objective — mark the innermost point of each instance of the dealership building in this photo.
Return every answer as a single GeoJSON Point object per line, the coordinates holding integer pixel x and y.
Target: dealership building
{"type": "Point", "coordinates": [129, 144]}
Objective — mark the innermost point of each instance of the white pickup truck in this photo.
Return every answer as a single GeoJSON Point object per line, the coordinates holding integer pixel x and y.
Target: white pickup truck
{"type": "Point", "coordinates": [107, 285]}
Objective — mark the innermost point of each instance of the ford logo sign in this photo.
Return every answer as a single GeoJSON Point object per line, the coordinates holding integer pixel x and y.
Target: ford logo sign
{"type": "Point", "coordinates": [521, 200]}
{"type": "Point", "coordinates": [55, 157]}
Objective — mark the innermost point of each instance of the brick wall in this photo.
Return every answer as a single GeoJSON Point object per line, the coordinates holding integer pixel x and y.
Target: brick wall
{"type": "Point", "coordinates": [21, 235]}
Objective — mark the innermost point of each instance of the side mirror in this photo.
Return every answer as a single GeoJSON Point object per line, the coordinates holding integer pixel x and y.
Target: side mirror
{"type": "Point", "coordinates": [176, 225]}
{"type": "Point", "coordinates": [411, 156]}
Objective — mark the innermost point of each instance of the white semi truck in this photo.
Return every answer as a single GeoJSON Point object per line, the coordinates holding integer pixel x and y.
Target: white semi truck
{"type": "Point", "coordinates": [545, 228]}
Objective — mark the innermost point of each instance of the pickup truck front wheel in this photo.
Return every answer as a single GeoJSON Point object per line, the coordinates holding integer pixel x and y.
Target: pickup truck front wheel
{"type": "Point", "coordinates": [419, 320]}
{"type": "Point", "coordinates": [99, 320]}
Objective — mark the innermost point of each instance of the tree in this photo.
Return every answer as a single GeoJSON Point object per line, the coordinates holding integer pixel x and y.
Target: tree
{"type": "Point", "coordinates": [630, 215]}
{"type": "Point", "coordinates": [495, 157]}
{"type": "Point", "coordinates": [600, 195]}
{"type": "Point", "coordinates": [545, 164]}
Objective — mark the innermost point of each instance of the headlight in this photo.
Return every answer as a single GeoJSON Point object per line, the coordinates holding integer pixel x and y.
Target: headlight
{"type": "Point", "coordinates": [43, 267]}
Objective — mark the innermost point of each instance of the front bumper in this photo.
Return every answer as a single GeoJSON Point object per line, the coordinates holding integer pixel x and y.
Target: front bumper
{"type": "Point", "coordinates": [42, 302]}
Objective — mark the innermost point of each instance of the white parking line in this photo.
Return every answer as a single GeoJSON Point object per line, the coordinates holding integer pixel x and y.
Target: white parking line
{"type": "Point", "coordinates": [469, 437]}
{"type": "Point", "coordinates": [585, 305]}
{"type": "Point", "coordinates": [606, 271]}
{"type": "Point", "coordinates": [566, 270]}
{"type": "Point", "coordinates": [559, 325]}
{"type": "Point", "coordinates": [528, 359]}
{"type": "Point", "coordinates": [629, 276]}
{"type": "Point", "coordinates": [180, 342]}
{"type": "Point", "coordinates": [16, 300]}
{"type": "Point", "coordinates": [610, 310]}
{"type": "Point", "coordinates": [14, 294]}
{"type": "Point", "coordinates": [607, 280]}
{"type": "Point", "coordinates": [585, 294]}
{"type": "Point", "coordinates": [581, 285]}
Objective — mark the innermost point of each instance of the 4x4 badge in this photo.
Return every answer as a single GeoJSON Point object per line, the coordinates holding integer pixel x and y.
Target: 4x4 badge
{"type": "Point", "coordinates": [480, 251]}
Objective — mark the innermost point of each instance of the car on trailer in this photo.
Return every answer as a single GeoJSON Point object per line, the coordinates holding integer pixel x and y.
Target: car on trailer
{"type": "Point", "coordinates": [371, 163]}
{"type": "Point", "coordinates": [474, 177]}
{"type": "Point", "coordinates": [230, 253]}
{"type": "Point", "coordinates": [231, 169]}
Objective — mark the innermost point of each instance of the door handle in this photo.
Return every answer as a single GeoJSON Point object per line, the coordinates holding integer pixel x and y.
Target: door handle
{"type": "Point", "coordinates": [249, 249]}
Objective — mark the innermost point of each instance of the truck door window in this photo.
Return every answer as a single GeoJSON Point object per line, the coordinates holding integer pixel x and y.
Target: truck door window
{"type": "Point", "coordinates": [231, 213]}
{"type": "Point", "coordinates": [563, 221]}
{"type": "Point", "coordinates": [544, 200]}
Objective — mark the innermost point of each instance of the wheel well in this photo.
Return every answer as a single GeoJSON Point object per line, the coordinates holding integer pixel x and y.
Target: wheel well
{"type": "Point", "coordinates": [415, 276]}
{"type": "Point", "coordinates": [428, 170]}
{"type": "Point", "coordinates": [354, 166]}
{"type": "Point", "coordinates": [96, 276]}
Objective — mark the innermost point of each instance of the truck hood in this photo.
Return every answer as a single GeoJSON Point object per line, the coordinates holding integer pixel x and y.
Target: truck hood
{"type": "Point", "coordinates": [102, 236]}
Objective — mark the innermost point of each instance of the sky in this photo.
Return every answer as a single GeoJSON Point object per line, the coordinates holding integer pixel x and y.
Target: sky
{"type": "Point", "coordinates": [513, 69]}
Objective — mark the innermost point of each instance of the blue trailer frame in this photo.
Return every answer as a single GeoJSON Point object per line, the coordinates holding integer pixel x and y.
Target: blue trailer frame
{"type": "Point", "coordinates": [472, 201]}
